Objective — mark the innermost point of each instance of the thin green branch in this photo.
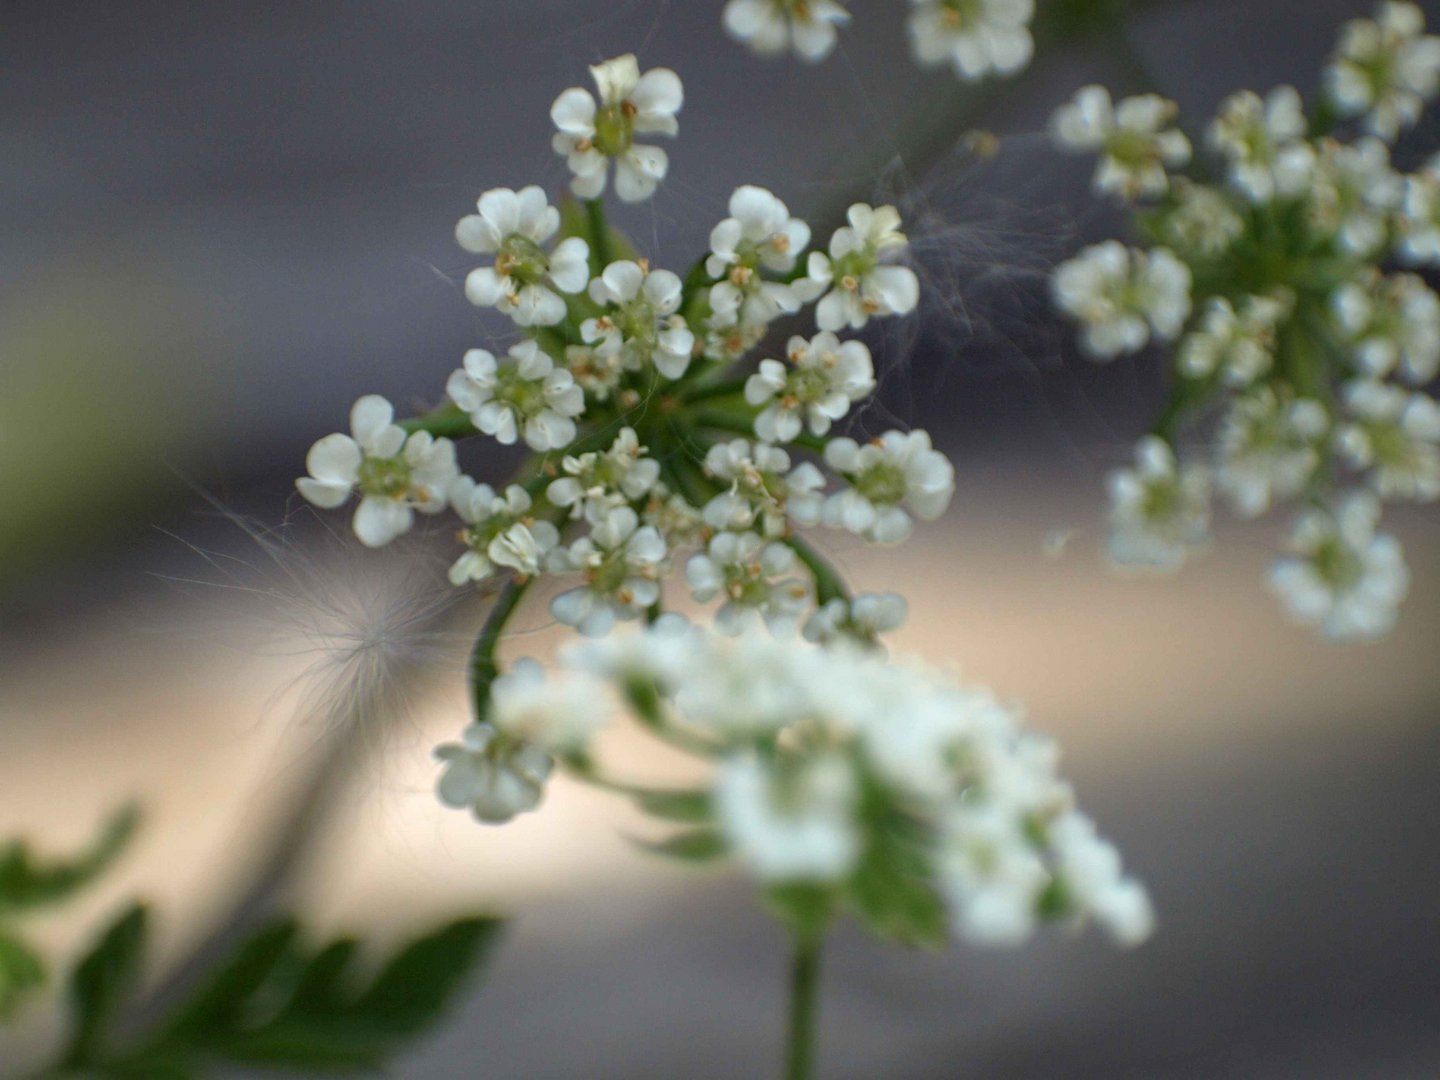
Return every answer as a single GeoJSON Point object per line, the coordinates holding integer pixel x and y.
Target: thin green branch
{"type": "Point", "coordinates": [706, 391]}
{"type": "Point", "coordinates": [829, 584]}
{"type": "Point", "coordinates": [804, 1009]}
{"type": "Point", "coordinates": [599, 232]}
{"type": "Point", "coordinates": [449, 420]}
{"type": "Point", "coordinates": [484, 668]}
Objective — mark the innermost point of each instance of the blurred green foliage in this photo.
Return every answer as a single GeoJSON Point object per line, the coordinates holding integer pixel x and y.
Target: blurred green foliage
{"type": "Point", "coordinates": [29, 883]}
{"type": "Point", "coordinates": [100, 395]}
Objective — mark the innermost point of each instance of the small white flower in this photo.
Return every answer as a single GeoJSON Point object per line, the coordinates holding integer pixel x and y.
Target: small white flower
{"type": "Point", "coordinates": [1136, 140]}
{"type": "Point", "coordinates": [748, 686]}
{"type": "Point", "coordinates": [591, 134]}
{"type": "Point", "coordinates": [1418, 226]}
{"type": "Point", "coordinates": [977, 37]}
{"type": "Point", "coordinates": [621, 561]}
{"type": "Point", "coordinates": [763, 488]}
{"type": "Point", "coordinates": [664, 653]}
{"type": "Point", "coordinates": [559, 712]}
{"type": "Point", "coordinates": [887, 480]}
{"type": "Point", "coordinates": [642, 325]}
{"type": "Point", "coordinates": [749, 572]}
{"type": "Point", "coordinates": [823, 378]}
{"type": "Point", "coordinates": [731, 343]}
{"type": "Point", "coordinates": [1089, 868]}
{"type": "Point", "coordinates": [992, 876]}
{"type": "Point", "coordinates": [770, 27]}
{"type": "Point", "coordinates": [858, 271]}
{"type": "Point", "coordinates": [525, 280]}
{"type": "Point", "coordinates": [524, 395]}
{"type": "Point", "coordinates": [500, 531]}
{"type": "Point", "coordinates": [790, 824]}
{"type": "Point", "coordinates": [1201, 221]}
{"type": "Point", "coordinates": [394, 474]}
{"type": "Point", "coordinates": [673, 517]}
{"type": "Point", "coordinates": [1390, 324]}
{"type": "Point", "coordinates": [1268, 450]}
{"type": "Point", "coordinates": [595, 372]}
{"type": "Point", "coordinates": [1385, 69]}
{"type": "Point", "coordinates": [1239, 347]}
{"type": "Point", "coordinates": [596, 483]}
{"type": "Point", "coordinates": [1356, 195]}
{"type": "Point", "coordinates": [493, 776]}
{"type": "Point", "coordinates": [861, 620]}
{"type": "Point", "coordinates": [1343, 578]}
{"type": "Point", "coordinates": [1395, 434]}
{"type": "Point", "coordinates": [1159, 513]}
{"type": "Point", "coordinates": [1122, 296]}
{"type": "Point", "coordinates": [1264, 141]}
{"type": "Point", "coordinates": [758, 235]}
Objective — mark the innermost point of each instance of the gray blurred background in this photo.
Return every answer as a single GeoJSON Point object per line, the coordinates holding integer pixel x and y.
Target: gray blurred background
{"type": "Point", "coordinates": [222, 223]}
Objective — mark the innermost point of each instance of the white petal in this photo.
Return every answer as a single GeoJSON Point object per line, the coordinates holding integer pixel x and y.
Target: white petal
{"type": "Point", "coordinates": [335, 459]}
{"type": "Point", "coordinates": [369, 417]}
{"type": "Point", "coordinates": [638, 171]}
{"type": "Point", "coordinates": [325, 494]}
{"type": "Point", "coordinates": [378, 521]}
{"type": "Point", "coordinates": [484, 287]}
{"type": "Point", "coordinates": [574, 112]}
{"type": "Point", "coordinates": [657, 98]}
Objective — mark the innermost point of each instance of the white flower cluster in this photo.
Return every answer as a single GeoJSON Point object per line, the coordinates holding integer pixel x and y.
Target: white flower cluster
{"type": "Point", "coordinates": [824, 754]}
{"type": "Point", "coordinates": [1386, 68]}
{"type": "Point", "coordinates": [1308, 356]}
{"type": "Point", "coordinates": [1136, 140]}
{"type": "Point", "coordinates": [831, 766]}
{"type": "Point", "coordinates": [1123, 297]}
{"type": "Point", "coordinates": [809, 28]}
{"type": "Point", "coordinates": [976, 37]}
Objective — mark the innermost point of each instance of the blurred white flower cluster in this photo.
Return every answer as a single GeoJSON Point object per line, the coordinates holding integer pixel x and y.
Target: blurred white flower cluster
{"type": "Point", "coordinates": [842, 781]}
{"type": "Point", "coordinates": [1303, 340]}
{"type": "Point", "coordinates": [977, 38]}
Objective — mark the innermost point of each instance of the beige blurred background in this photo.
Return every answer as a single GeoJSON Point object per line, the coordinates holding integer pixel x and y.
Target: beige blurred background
{"type": "Point", "coordinates": [224, 223]}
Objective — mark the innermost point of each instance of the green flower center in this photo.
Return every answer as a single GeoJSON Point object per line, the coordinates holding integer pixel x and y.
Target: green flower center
{"type": "Point", "coordinates": [1391, 445]}
{"type": "Point", "coordinates": [1162, 500]}
{"type": "Point", "coordinates": [960, 13]}
{"type": "Point", "coordinates": [850, 269]}
{"type": "Point", "coordinates": [525, 396]}
{"type": "Point", "coordinates": [615, 128]}
{"type": "Point", "coordinates": [745, 584]}
{"type": "Point", "coordinates": [882, 483]}
{"type": "Point", "coordinates": [636, 322]}
{"type": "Point", "coordinates": [388, 477]}
{"type": "Point", "coordinates": [806, 384]}
{"type": "Point", "coordinates": [522, 260]}
{"type": "Point", "coordinates": [1337, 564]}
{"type": "Point", "coordinates": [1131, 148]}
{"type": "Point", "coordinates": [610, 575]}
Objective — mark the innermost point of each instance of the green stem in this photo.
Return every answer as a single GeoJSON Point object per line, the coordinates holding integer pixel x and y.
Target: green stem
{"type": "Point", "coordinates": [829, 585]}
{"type": "Point", "coordinates": [804, 1007]}
{"type": "Point", "coordinates": [599, 232]}
{"type": "Point", "coordinates": [706, 391]}
{"type": "Point", "coordinates": [484, 668]}
{"type": "Point", "coordinates": [450, 421]}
